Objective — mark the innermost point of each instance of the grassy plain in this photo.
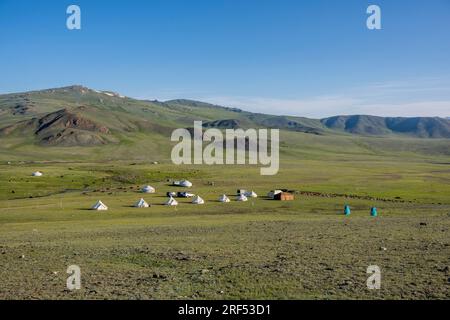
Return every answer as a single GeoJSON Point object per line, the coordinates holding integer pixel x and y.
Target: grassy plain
{"type": "Point", "coordinates": [305, 249]}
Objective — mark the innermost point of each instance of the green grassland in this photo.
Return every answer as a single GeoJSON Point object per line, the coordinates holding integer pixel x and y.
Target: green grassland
{"type": "Point", "coordinates": [261, 249]}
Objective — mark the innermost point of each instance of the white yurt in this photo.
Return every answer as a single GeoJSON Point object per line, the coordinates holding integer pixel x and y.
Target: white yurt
{"type": "Point", "coordinates": [224, 198]}
{"type": "Point", "coordinates": [171, 202]}
{"type": "Point", "coordinates": [241, 197]}
{"type": "Point", "coordinates": [251, 194]}
{"type": "Point", "coordinates": [37, 174]}
{"type": "Point", "coordinates": [198, 200]}
{"type": "Point", "coordinates": [183, 183]}
{"type": "Point", "coordinates": [186, 183]}
{"type": "Point", "coordinates": [141, 204]}
{"type": "Point", "coordinates": [148, 189]}
{"type": "Point", "coordinates": [99, 206]}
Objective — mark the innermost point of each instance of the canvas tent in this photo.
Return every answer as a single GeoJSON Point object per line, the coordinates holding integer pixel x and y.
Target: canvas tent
{"type": "Point", "coordinates": [373, 212]}
{"type": "Point", "coordinates": [251, 194]}
{"type": "Point", "coordinates": [224, 198]}
{"type": "Point", "coordinates": [183, 183]}
{"type": "Point", "coordinates": [99, 206]}
{"type": "Point", "coordinates": [198, 200]}
{"type": "Point", "coordinates": [241, 197]}
{"type": "Point", "coordinates": [37, 174]}
{"type": "Point", "coordinates": [347, 210]}
{"type": "Point", "coordinates": [171, 202]}
{"type": "Point", "coordinates": [148, 189]}
{"type": "Point", "coordinates": [141, 204]}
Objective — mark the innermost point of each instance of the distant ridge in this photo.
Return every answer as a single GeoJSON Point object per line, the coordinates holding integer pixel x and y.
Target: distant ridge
{"type": "Point", "coordinates": [198, 104]}
{"type": "Point", "coordinates": [422, 127]}
{"type": "Point", "coordinates": [79, 116]}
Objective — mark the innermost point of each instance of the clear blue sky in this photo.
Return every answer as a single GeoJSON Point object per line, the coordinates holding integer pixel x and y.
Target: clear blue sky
{"type": "Point", "coordinates": [313, 58]}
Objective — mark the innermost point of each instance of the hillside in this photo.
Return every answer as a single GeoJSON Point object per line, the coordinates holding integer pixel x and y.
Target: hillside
{"type": "Point", "coordinates": [77, 115]}
{"type": "Point", "coordinates": [422, 127]}
{"type": "Point", "coordinates": [119, 126]}
{"type": "Point", "coordinates": [64, 127]}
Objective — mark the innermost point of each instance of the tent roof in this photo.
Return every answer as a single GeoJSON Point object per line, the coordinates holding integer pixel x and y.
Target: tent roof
{"type": "Point", "coordinates": [100, 206]}
{"type": "Point", "coordinates": [148, 189]}
{"type": "Point", "coordinates": [141, 203]}
{"type": "Point", "coordinates": [171, 202]}
{"type": "Point", "coordinates": [183, 183]}
{"type": "Point", "coordinates": [242, 198]}
{"type": "Point", "coordinates": [224, 198]}
{"type": "Point", "coordinates": [198, 200]}
{"type": "Point", "coordinates": [252, 194]}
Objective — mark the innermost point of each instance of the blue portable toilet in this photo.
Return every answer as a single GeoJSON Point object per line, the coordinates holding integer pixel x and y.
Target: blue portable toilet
{"type": "Point", "coordinates": [347, 210]}
{"type": "Point", "coordinates": [373, 212]}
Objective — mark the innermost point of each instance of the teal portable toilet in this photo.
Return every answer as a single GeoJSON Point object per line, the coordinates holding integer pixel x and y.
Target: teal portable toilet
{"type": "Point", "coordinates": [347, 210]}
{"type": "Point", "coordinates": [373, 212]}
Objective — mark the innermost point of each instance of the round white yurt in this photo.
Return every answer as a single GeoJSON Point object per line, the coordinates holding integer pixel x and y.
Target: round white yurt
{"type": "Point", "coordinates": [141, 204]}
{"type": "Point", "coordinates": [171, 202]}
{"type": "Point", "coordinates": [241, 197]}
{"type": "Point", "coordinates": [198, 200]}
{"type": "Point", "coordinates": [224, 198]}
{"type": "Point", "coordinates": [148, 189]}
{"type": "Point", "coordinates": [185, 183]}
{"type": "Point", "coordinates": [37, 174]}
{"type": "Point", "coordinates": [99, 206]}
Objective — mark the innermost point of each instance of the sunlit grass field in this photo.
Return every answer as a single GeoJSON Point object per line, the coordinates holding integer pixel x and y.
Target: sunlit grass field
{"type": "Point", "coordinates": [260, 249]}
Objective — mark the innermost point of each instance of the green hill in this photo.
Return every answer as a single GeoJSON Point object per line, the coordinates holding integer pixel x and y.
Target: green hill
{"type": "Point", "coordinates": [77, 122]}
{"type": "Point", "coordinates": [422, 127]}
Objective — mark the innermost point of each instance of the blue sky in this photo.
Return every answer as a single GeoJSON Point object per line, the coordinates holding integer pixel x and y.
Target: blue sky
{"type": "Point", "coordinates": [308, 58]}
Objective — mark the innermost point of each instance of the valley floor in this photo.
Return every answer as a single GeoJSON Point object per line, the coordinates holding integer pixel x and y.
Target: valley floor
{"type": "Point", "coordinates": [262, 249]}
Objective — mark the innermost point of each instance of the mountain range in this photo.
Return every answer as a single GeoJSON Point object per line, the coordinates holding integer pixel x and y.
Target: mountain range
{"type": "Point", "coordinates": [79, 116]}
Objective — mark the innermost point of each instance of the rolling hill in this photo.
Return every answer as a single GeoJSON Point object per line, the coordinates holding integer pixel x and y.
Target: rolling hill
{"type": "Point", "coordinates": [65, 127]}
{"type": "Point", "coordinates": [422, 127]}
{"type": "Point", "coordinates": [80, 117]}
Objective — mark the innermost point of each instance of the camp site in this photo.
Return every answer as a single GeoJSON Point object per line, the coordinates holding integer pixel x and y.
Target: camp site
{"type": "Point", "coordinates": [227, 243]}
{"type": "Point", "coordinates": [199, 150]}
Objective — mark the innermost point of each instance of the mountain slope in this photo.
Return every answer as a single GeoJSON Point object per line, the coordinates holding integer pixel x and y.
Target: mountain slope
{"type": "Point", "coordinates": [63, 127]}
{"type": "Point", "coordinates": [422, 127]}
{"type": "Point", "coordinates": [79, 116]}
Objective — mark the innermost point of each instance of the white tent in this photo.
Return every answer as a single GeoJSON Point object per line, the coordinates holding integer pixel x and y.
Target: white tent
{"type": "Point", "coordinates": [183, 183]}
{"type": "Point", "coordinates": [171, 202]}
{"type": "Point", "coordinates": [224, 198]}
{"type": "Point", "coordinates": [148, 189]}
{"type": "Point", "coordinates": [198, 200]}
{"type": "Point", "coordinates": [251, 194]}
{"type": "Point", "coordinates": [141, 204]}
{"type": "Point", "coordinates": [100, 206]}
{"type": "Point", "coordinates": [241, 198]}
{"type": "Point", "coordinates": [272, 194]}
{"type": "Point", "coordinates": [37, 174]}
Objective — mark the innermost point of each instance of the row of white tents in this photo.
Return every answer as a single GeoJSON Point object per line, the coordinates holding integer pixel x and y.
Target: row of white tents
{"type": "Point", "coordinates": [100, 206]}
